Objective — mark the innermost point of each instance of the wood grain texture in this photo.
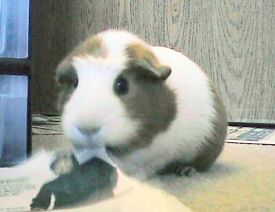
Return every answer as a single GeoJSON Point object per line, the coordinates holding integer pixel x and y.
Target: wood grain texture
{"type": "Point", "coordinates": [232, 40]}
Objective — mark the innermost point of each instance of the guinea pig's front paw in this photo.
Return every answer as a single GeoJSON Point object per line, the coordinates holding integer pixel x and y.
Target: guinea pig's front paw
{"type": "Point", "coordinates": [63, 163]}
{"type": "Point", "coordinates": [185, 171]}
{"type": "Point", "coordinates": [177, 168]}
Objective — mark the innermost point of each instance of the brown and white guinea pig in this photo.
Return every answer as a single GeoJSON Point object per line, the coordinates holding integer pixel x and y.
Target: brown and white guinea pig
{"type": "Point", "coordinates": [151, 108]}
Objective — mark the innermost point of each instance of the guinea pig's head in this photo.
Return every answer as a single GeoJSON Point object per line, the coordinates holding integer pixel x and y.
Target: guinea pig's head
{"type": "Point", "coordinates": [113, 93]}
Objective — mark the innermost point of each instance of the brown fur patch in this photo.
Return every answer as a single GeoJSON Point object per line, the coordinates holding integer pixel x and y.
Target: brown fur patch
{"type": "Point", "coordinates": [93, 46]}
{"type": "Point", "coordinates": [66, 77]}
{"type": "Point", "coordinates": [140, 51]}
{"type": "Point", "coordinates": [141, 55]}
{"type": "Point", "coordinates": [151, 102]}
{"type": "Point", "coordinates": [149, 99]}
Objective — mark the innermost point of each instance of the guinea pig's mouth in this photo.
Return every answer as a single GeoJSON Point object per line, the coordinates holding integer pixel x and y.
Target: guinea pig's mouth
{"type": "Point", "coordinates": [84, 140]}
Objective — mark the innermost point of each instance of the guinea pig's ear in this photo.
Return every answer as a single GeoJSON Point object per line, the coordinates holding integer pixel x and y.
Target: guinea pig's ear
{"type": "Point", "coordinates": [142, 57]}
{"type": "Point", "coordinates": [66, 74]}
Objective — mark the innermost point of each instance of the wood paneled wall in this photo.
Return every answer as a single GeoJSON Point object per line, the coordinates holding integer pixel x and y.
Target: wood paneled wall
{"type": "Point", "coordinates": [233, 40]}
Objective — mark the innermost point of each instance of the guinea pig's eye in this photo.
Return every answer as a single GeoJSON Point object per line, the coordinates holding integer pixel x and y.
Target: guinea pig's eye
{"type": "Point", "coordinates": [121, 85]}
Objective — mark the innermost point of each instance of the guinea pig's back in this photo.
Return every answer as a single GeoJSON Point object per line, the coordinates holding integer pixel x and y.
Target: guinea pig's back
{"type": "Point", "coordinates": [194, 125]}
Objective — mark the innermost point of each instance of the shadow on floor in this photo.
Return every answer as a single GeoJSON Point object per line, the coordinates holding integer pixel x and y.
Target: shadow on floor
{"type": "Point", "coordinates": [179, 184]}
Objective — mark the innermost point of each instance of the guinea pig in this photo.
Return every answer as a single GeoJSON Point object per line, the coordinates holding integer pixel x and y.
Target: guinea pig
{"type": "Point", "coordinates": [151, 108]}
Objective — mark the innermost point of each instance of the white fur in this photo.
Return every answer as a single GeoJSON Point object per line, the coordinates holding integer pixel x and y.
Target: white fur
{"type": "Point", "coordinates": [84, 154]}
{"type": "Point", "coordinates": [94, 104]}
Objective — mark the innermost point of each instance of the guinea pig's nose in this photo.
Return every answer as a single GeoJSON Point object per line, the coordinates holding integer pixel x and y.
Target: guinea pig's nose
{"type": "Point", "coordinates": [88, 131]}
